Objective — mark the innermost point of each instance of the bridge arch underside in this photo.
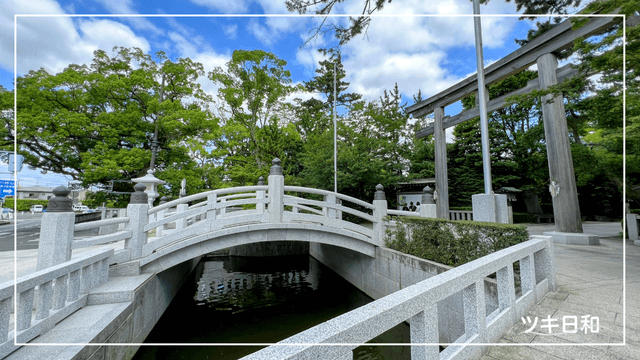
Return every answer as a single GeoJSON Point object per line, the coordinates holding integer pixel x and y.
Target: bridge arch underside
{"type": "Point", "coordinates": [201, 244]}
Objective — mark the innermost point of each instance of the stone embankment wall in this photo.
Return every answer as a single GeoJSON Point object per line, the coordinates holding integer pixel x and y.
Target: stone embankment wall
{"type": "Point", "coordinates": [148, 296]}
{"type": "Point", "coordinates": [391, 271]}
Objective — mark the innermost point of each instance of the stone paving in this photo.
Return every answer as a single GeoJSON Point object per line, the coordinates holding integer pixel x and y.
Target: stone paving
{"type": "Point", "coordinates": [589, 282]}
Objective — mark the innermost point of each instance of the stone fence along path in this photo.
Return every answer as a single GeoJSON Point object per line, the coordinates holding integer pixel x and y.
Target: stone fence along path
{"type": "Point", "coordinates": [168, 238]}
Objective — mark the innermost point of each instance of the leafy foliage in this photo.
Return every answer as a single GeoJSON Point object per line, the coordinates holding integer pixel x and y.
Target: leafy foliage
{"type": "Point", "coordinates": [452, 243]}
{"type": "Point", "coordinates": [96, 123]}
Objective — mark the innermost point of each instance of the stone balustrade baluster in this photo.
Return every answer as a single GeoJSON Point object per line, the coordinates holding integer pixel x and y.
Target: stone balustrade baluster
{"type": "Point", "coordinates": [85, 279]}
{"type": "Point", "coordinates": [45, 294]}
{"type": "Point", "coordinates": [96, 275]}
{"type": "Point", "coordinates": [104, 271]}
{"type": "Point", "coordinates": [160, 216]}
{"type": "Point", "coordinates": [527, 274]}
{"type": "Point", "coordinates": [260, 195]}
{"type": "Point", "coordinates": [506, 288]}
{"type": "Point", "coordinates": [74, 285]}
{"type": "Point", "coordinates": [223, 209]}
{"type": "Point", "coordinates": [181, 223]}
{"type": "Point", "coordinates": [5, 316]}
{"type": "Point", "coordinates": [60, 292]}
{"type": "Point", "coordinates": [25, 309]}
{"type": "Point", "coordinates": [423, 328]}
{"type": "Point", "coordinates": [473, 300]}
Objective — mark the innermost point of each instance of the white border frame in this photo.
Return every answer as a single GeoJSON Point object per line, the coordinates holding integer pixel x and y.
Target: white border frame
{"type": "Point", "coordinates": [624, 118]}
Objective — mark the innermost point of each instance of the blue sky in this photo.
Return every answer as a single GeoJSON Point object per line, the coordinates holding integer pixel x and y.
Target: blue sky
{"type": "Point", "coordinates": [419, 53]}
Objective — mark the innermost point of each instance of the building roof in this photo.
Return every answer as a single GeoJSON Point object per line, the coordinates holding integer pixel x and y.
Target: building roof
{"type": "Point", "coordinates": [35, 188]}
{"type": "Point", "coordinates": [418, 181]}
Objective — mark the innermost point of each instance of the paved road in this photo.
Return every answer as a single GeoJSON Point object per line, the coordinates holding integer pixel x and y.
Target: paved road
{"type": "Point", "coordinates": [28, 234]}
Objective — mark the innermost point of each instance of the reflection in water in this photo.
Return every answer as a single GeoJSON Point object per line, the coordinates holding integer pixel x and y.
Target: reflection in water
{"type": "Point", "coordinates": [258, 300]}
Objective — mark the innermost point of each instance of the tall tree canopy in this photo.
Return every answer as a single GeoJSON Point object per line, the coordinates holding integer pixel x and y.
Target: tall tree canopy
{"type": "Point", "coordinates": [96, 122]}
{"type": "Point", "coordinates": [255, 127]}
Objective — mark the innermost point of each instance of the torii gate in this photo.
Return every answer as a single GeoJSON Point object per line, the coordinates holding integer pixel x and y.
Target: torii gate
{"type": "Point", "coordinates": [542, 51]}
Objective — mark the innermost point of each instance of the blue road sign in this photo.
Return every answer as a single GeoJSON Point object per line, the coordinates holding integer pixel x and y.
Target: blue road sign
{"type": "Point", "coordinates": [7, 187]}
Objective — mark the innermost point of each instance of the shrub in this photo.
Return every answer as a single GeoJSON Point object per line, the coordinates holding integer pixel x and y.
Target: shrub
{"type": "Point", "coordinates": [519, 218]}
{"type": "Point", "coordinates": [24, 204]}
{"type": "Point", "coordinates": [452, 243]}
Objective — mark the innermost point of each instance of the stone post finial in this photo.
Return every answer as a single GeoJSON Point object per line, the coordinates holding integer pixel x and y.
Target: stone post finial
{"type": "Point", "coordinates": [163, 200]}
{"type": "Point", "coordinates": [379, 194]}
{"type": "Point", "coordinates": [427, 195]}
{"type": "Point", "coordinates": [276, 169]}
{"type": "Point", "coordinates": [139, 196]}
{"type": "Point", "coordinates": [60, 202]}
{"type": "Point", "coordinates": [261, 180]}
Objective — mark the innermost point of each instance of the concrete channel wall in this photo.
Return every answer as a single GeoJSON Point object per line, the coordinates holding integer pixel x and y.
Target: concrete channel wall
{"type": "Point", "coordinates": [123, 310]}
{"type": "Point", "coordinates": [391, 271]}
{"type": "Point", "coordinates": [149, 301]}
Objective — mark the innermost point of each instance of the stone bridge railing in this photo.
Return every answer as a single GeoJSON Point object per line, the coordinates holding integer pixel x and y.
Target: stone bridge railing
{"type": "Point", "coordinates": [47, 296]}
{"type": "Point", "coordinates": [418, 305]}
{"type": "Point", "coordinates": [144, 230]}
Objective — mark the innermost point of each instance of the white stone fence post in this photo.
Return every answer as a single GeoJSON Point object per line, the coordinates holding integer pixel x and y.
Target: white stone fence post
{"type": "Point", "coordinates": [57, 229]}
{"type": "Point", "coordinates": [276, 192]}
{"type": "Point", "coordinates": [379, 212]}
{"type": "Point", "coordinates": [138, 213]}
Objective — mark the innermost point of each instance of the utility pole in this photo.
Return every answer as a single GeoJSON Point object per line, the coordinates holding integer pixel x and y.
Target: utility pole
{"type": "Point", "coordinates": [335, 133]}
{"type": "Point", "coordinates": [154, 143]}
{"type": "Point", "coordinates": [482, 101]}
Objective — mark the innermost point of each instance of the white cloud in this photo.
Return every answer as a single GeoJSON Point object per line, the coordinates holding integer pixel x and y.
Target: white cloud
{"type": "Point", "coordinates": [262, 33]}
{"type": "Point", "coordinates": [413, 51]}
{"type": "Point", "coordinates": [231, 31]}
{"type": "Point", "coordinates": [303, 95]}
{"type": "Point", "coordinates": [55, 42]}
{"type": "Point", "coordinates": [227, 7]}
{"type": "Point", "coordinates": [125, 7]}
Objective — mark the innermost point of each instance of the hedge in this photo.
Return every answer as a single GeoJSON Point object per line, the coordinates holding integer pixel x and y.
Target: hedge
{"type": "Point", "coordinates": [452, 243]}
{"type": "Point", "coordinates": [519, 218]}
{"type": "Point", "coordinates": [24, 204]}
{"type": "Point", "coordinates": [461, 208]}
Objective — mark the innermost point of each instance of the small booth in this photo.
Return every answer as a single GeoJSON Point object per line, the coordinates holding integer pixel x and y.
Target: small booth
{"type": "Point", "coordinates": [511, 193]}
{"type": "Point", "coordinates": [409, 193]}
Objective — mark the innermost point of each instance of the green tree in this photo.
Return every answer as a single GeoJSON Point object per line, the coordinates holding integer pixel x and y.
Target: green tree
{"type": "Point", "coordinates": [323, 82]}
{"type": "Point", "coordinates": [252, 90]}
{"type": "Point", "coordinates": [96, 122]}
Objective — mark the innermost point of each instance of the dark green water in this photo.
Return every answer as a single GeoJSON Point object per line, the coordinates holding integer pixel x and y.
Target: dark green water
{"type": "Point", "coordinates": [258, 300]}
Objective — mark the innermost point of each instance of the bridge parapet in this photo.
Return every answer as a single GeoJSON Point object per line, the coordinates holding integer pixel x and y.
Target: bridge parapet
{"type": "Point", "coordinates": [418, 304]}
{"type": "Point", "coordinates": [58, 291]}
{"type": "Point", "coordinates": [146, 230]}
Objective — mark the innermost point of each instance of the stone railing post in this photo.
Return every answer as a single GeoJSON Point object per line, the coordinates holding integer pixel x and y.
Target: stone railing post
{"type": "Point", "coordinates": [544, 262]}
{"type": "Point", "coordinates": [276, 192]}
{"type": "Point", "coordinates": [329, 212]}
{"type": "Point", "coordinates": [428, 206]}
{"type": "Point", "coordinates": [260, 195]}
{"type": "Point", "coordinates": [160, 216]}
{"type": "Point", "coordinates": [181, 223]}
{"type": "Point", "coordinates": [138, 213]}
{"type": "Point", "coordinates": [379, 212]}
{"type": "Point", "coordinates": [57, 229]}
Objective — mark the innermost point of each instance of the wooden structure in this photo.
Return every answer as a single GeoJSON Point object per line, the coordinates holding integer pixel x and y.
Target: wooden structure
{"type": "Point", "coordinates": [541, 51]}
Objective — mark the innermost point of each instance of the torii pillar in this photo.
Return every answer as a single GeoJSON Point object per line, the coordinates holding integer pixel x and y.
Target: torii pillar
{"type": "Point", "coordinates": [566, 209]}
{"type": "Point", "coordinates": [440, 152]}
